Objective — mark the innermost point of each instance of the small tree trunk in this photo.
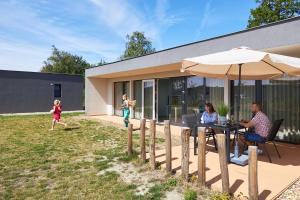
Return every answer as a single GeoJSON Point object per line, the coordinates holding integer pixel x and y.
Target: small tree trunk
{"type": "Point", "coordinates": [223, 162]}
{"type": "Point", "coordinates": [252, 173]}
{"type": "Point", "coordinates": [201, 157]}
{"type": "Point", "coordinates": [142, 140]}
{"type": "Point", "coordinates": [130, 127]}
{"type": "Point", "coordinates": [185, 153]}
{"type": "Point", "coordinates": [168, 146]}
{"type": "Point", "coordinates": [152, 143]}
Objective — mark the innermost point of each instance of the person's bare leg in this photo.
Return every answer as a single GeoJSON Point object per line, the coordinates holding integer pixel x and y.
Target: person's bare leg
{"type": "Point", "coordinates": [53, 124]}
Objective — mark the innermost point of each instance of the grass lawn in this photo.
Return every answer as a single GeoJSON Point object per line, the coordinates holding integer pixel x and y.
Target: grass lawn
{"type": "Point", "coordinates": [70, 163]}
{"type": "Point", "coordinates": [62, 164]}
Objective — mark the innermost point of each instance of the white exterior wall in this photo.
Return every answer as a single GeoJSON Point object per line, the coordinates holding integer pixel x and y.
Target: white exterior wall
{"type": "Point", "coordinates": [96, 96]}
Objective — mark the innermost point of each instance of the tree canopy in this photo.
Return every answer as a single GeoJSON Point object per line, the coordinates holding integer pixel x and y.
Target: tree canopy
{"type": "Point", "coordinates": [273, 10]}
{"type": "Point", "coordinates": [65, 62]}
{"type": "Point", "coordinates": [137, 45]}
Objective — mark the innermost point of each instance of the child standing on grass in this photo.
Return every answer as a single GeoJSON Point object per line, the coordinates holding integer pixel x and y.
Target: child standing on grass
{"type": "Point", "coordinates": [56, 111]}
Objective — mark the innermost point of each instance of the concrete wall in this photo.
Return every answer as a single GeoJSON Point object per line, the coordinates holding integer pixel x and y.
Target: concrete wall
{"type": "Point", "coordinates": [96, 96]}
{"type": "Point", "coordinates": [22, 92]}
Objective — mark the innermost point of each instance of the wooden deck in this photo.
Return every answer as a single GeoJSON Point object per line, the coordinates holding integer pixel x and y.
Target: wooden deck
{"type": "Point", "coordinates": [273, 178]}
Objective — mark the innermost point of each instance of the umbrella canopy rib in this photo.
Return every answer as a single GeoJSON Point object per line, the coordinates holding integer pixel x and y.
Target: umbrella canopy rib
{"type": "Point", "coordinates": [273, 66]}
{"type": "Point", "coordinates": [228, 70]}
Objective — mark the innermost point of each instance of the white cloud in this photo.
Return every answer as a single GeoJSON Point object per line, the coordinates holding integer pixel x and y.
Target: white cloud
{"type": "Point", "coordinates": [206, 17]}
{"type": "Point", "coordinates": [28, 29]}
{"type": "Point", "coordinates": [38, 35]}
{"type": "Point", "coordinates": [124, 18]}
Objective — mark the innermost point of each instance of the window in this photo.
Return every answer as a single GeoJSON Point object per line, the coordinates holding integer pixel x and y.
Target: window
{"type": "Point", "coordinates": [57, 90]}
{"type": "Point", "coordinates": [137, 85]}
{"type": "Point", "coordinates": [120, 88]}
{"type": "Point", "coordinates": [280, 100]}
{"type": "Point", "coordinates": [195, 98]}
{"type": "Point", "coordinates": [201, 90]}
{"type": "Point", "coordinates": [247, 96]}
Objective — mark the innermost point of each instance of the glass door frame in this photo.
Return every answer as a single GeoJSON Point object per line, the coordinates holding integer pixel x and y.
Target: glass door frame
{"type": "Point", "coordinates": [153, 98]}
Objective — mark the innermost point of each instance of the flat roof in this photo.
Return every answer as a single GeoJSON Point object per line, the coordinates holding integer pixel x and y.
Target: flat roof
{"type": "Point", "coordinates": [276, 34]}
{"type": "Point", "coordinates": [45, 73]}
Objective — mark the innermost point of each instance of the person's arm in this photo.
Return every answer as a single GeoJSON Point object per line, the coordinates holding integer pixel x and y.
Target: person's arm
{"type": "Point", "coordinates": [203, 117]}
{"type": "Point", "coordinates": [247, 124]}
{"type": "Point", "coordinates": [215, 117]}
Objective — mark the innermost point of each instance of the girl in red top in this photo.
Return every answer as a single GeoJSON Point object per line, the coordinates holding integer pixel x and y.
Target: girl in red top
{"type": "Point", "coordinates": [56, 111]}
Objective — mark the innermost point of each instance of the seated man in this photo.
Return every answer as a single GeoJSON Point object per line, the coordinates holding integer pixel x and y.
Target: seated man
{"type": "Point", "coordinates": [261, 124]}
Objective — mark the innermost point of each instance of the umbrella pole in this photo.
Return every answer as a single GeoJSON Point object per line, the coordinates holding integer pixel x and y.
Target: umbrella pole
{"type": "Point", "coordinates": [236, 146]}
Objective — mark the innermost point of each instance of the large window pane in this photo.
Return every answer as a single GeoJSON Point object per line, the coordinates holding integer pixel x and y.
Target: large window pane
{"type": "Point", "coordinates": [120, 88]}
{"type": "Point", "coordinates": [138, 97]}
{"type": "Point", "coordinates": [176, 99]}
{"type": "Point", "coordinates": [247, 97]}
{"type": "Point", "coordinates": [195, 96]}
{"type": "Point", "coordinates": [281, 99]}
{"type": "Point", "coordinates": [163, 99]}
{"type": "Point", "coordinates": [148, 99]}
{"type": "Point", "coordinates": [214, 91]}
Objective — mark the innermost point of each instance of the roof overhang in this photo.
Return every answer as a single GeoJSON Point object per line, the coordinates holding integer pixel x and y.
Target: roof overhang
{"type": "Point", "coordinates": [281, 37]}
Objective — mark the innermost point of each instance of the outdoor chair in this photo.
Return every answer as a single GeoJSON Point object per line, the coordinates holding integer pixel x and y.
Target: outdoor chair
{"type": "Point", "coordinates": [191, 120]}
{"type": "Point", "coordinates": [271, 137]}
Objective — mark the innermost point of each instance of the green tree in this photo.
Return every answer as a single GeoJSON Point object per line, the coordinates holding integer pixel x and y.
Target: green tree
{"type": "Point", "coordinates": [273, 10]}
{"type": "Point", "coordinates": [64, 62]}
{"type": "Point", "coordinates": [137, 45]}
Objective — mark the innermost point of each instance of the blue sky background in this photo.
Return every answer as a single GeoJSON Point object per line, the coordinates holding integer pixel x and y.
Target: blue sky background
{"type": "Point", "coordinates": [96, 29]}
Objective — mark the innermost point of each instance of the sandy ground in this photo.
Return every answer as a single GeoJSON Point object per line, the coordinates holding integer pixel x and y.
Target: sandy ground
{"type": "Point", "coordinates": [176, 140]}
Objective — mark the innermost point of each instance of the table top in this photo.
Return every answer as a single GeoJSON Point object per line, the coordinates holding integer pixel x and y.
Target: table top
{"type": "Point", "coordinates": [219, 126]}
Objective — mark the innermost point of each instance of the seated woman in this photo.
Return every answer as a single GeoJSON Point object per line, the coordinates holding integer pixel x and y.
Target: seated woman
{"type": "Point", "coordinates": [209, 115]}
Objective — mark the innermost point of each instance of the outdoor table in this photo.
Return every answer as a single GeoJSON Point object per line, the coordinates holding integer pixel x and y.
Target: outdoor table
{"type": "Point", "coordinates": [225, 129]}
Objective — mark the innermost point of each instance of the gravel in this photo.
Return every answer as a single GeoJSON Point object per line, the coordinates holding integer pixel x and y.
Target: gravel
{"type": "Point", "coordinates": [292, 193]}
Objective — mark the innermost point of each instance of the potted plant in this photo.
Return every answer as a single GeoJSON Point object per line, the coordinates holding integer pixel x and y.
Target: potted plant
{"type": "Point", "coordinates": [222, 110]}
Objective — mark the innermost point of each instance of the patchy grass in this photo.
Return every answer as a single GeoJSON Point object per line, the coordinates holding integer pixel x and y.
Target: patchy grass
{"type": "Point", "coordinates": [63, 164]}
{"type": "Point", "coordinates": [190, 194]}
{"type": "Point", "coordinates": [87, 160]}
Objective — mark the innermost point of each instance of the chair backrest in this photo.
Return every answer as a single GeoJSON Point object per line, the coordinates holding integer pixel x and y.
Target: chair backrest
{"type": "Point", "coordinates": [190, 120]}
{"type": "Point", "coordinates": [274, 129]}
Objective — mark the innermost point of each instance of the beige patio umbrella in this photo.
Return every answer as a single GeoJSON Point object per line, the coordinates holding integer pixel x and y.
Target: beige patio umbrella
{"type": "Point", "coordinates": [254, 65]}
{"type": "Point", "coordinates": [242, 63]}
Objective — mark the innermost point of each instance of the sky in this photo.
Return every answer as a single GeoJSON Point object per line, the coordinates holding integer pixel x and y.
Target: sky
{"type": "Point", "coordinates": [97, 29]}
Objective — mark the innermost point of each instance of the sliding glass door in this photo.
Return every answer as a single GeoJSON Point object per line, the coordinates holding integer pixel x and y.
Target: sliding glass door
{"type": "Point", "coordinates": [177, 99]}
{"type": "Point", "coordinates": [137, 95]}
{"type": "Point", "coordinates": [120, 88]}
{"type": "Point", "coordinates": [148, 99]}
{"type": "Point", "coordinates": [163, 95]}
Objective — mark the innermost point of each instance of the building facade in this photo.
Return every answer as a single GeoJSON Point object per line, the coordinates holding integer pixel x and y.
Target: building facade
{"type": "Point", "coordinates": [163, 92]}
{"type": "Point", "coordinates": [22, 92]}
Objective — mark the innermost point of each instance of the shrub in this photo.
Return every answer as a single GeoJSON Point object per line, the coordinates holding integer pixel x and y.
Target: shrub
{"type": "Point", "coordinates": [190, 194]}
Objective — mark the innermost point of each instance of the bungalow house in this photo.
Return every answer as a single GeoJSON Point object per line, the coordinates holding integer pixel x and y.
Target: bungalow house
{"type": "Point", "coordinates": [163, 92]}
